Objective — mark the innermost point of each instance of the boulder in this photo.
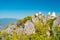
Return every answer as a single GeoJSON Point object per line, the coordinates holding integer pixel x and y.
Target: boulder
{"type": "Point", "coordinates": [11, 28]}
{"type": "Point", "coordinates": [34, 19]}
{"type": "Point", "coordinates": [29, 28]}
{"type": "Point", "coordinates": [57, 21]}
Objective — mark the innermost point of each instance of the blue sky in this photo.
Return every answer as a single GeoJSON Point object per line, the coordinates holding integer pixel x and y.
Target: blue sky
{"type": "Point", "coordinates": [21, 8]}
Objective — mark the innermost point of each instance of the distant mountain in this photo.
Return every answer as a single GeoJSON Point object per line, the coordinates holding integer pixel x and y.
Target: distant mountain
{"type": "Point", "coordinates": [5, 21]}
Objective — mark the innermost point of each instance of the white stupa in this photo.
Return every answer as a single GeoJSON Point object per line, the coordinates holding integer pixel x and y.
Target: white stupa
{"type": "Point", "coordinates": [49, 13]}
{"type": "Point", "coordinates": [36, 14]}
{"type": "Point", "coordinates": [53, 14]}
{"type": "Point", "coordinates": [40, 13]}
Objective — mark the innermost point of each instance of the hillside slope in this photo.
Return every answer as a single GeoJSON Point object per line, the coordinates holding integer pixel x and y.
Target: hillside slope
{"type": "Point", "coordinates": [36, 27]}
{"type": "Point", "coordinates": [6, 21]}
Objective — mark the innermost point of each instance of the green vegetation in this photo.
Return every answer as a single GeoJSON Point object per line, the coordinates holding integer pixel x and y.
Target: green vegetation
{"type": "Point", "coordinates": [40, 31]}
{"type": "Point", "coordinates": [22, 21]}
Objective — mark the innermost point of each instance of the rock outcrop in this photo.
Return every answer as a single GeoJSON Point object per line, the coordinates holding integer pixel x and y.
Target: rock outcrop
{"type": "Point", "coordinates": [34, 19]}
{"type": "Point", "coordinates": [11, 28]}
{"type": "Point", "coordinates": [29, 28]}
{"type": "Point", "coordinates": [57, 21]}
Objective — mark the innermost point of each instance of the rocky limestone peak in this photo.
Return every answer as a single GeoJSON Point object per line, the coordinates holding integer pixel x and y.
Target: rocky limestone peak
{"type": "Point", "coordinates": [57, 21]}
{"type": "Point", "coordinates": [34, 19]}
{"type": "Point", "coordinates": [29, 28]}
{"type": "Point", "coordinates": [11, 28]}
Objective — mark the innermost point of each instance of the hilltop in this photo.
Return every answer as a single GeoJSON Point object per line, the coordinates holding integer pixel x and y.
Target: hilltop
{"type": "Point", "coordinates": [35, 27]}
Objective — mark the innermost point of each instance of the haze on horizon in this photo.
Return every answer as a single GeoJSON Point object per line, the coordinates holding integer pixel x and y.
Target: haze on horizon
{"type": "Point", "coordinates": [21, 8]}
